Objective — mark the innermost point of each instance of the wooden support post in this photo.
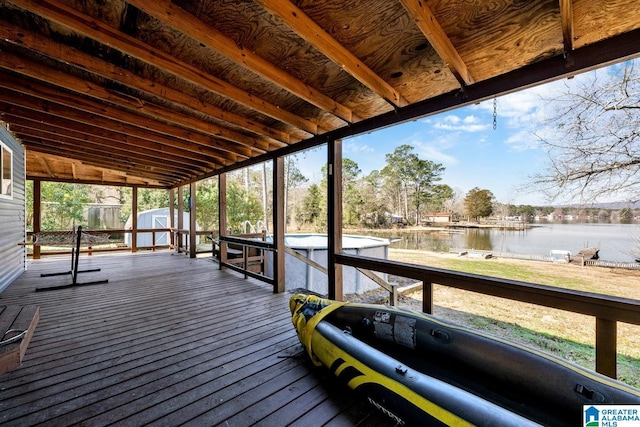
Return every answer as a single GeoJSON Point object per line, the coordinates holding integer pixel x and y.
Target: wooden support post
{"type": "Point", "coordinates": [37, 213]}
{"type": "Point", "coordinates": [222, 215]}
{"type": "Point", "coordinates": [134, 219]}
{"type": "Point", "coordinates": [279, 225]}
{"type": "Point", "coordinates": [427, 297]}
{"type": "Point", "coordinates": [172, 219]}
{"type": "Point", "coordinates": [606, 341]}
{"type": "Point", "coordinates": [334, 220]}
{"type": "Point", "coordinates": [180, 216]}
{"type": "Point", "coordinates": [192, 220]}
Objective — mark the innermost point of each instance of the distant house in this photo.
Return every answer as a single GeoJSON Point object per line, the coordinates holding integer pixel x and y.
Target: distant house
{"type": "Point", "coordinates": [438, 217]}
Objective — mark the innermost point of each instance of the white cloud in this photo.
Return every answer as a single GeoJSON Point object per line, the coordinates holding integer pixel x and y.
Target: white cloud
{"type": "Point", "coordinates": [353, 145]}
{"type": "Point", "coordinates": [454, 123]}
{"type": "Point", "coordinates": [523, 140]}
{"type": "Point", "coordinates": [434, 150]}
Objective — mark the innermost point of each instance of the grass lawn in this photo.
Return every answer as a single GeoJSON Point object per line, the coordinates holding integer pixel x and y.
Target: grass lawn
{"type": "Point", "coordinates": [568, 335]}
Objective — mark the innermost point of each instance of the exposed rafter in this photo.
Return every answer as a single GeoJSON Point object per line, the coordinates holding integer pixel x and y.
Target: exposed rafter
{"type": "Point", "coordinates": [148, 112]}
{"type": "Point", "coordinates": [89, 27]}
{"type": "Point", "coordinates": [165, 93]}
{"type": "Point", "coordinates": [306, 28]}
{"type": "Point", "coordinates": [430, 27]}
{"type": "Point", "coordinates": [27, 39]}
{"type": "Point", "coordinates": [566, 13]}
{"type": "Point", "coordinates": [188, 24]}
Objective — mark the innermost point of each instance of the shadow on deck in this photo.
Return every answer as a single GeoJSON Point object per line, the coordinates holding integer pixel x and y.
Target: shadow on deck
{"type": "Point", "coordinates": [167, 341]}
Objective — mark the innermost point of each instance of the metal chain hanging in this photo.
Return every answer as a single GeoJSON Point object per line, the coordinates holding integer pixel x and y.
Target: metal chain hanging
{"type": "Point", "coordinates": [495, 113]}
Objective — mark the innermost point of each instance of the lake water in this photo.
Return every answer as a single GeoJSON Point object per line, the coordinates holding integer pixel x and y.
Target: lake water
{"type": "Point", "coordinates": [617, 242]}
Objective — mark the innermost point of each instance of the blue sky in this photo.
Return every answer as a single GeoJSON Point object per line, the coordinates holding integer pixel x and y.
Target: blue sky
{"type": "Point", "coordinates": [465, 143]}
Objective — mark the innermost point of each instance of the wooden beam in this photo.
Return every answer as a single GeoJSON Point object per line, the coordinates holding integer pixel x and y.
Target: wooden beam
{"type": "Point", "coordinates": [315, 35]}
{"type": "Point", "coordinates": [182, 21]}
{"type": "Point", "coordinates": [606, 344]}
{"type": "Point", "coordinates": [119, 164]}
{"type": "Point", "coordinates": [192, 220]}
{"type": "Point", "coordinates": [43, 97]}
{"type": "Point", "coordinates": [42, 160]}
{"type": "Point", "coordinates": [134, 219]}
{"type": "Point", "coordinates": [33, 41]}
{"type": "Point", "coordinates": [279, 225]}
{"type": "Point", "coordinates": [78, 163]}
{"type": "Point", "coordinates": [109, 166]}
{"type": "Point", "coordinates": [86, 134]}
{"type": "Point", "coordinates": [334, 220]}
{"type": "Point", "coordinates": [222, 217]}
{"type": "Point", "coordinates": [566, 14]}
{"type": "Point", "coordinates": [430, 27]}
{"type": "Point", "coordinates": [121, 152]}
{"type": "Point", "coordinates": [172, 219]}
{"type": "Point", "coordinates": [180, 216]}
{"type": "Point", "coordinates": [11, 99]}
{"type": "Point", "coordinates": [69, 17]}
{"type": "Point", "coordinates": [150, 112]}
{"type": "Point", "coordinates": [37, 213]}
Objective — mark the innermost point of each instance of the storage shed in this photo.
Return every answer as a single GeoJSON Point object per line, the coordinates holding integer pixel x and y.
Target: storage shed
{"type": "Point", "coordinates": [154, 218]}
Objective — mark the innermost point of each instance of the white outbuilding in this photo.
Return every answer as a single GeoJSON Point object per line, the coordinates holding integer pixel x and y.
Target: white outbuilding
{"type": "Point", "coordinates": [155, 218]}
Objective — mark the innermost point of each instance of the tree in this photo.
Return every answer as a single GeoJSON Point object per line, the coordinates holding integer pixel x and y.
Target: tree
{"type": "Point", "coordinates": [293, 179]}
{"type": "Point", "coordinates": [63, 205]}
{"type": "Point", "coordinates": [415, 177]}
{"type": "Point", "coordinates": [312, 208]}
{"type": "Point", "coordinates": [241, 206]}
{"type": "Point", "coordinates": [478, 203]}
{"type": "Point", "coordinates": [594, 149]}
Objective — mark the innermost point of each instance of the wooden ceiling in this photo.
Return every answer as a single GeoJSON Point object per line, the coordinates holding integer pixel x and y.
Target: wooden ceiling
{"type": "Point", "coordinates": [161, 93]}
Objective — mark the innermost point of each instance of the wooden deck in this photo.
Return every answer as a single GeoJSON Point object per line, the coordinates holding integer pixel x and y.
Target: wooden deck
{"type": "Point", "coordinates": [167, 341]}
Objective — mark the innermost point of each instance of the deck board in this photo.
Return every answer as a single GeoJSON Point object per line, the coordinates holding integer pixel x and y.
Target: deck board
{"type": "Point", "coordinates": [167, 341]}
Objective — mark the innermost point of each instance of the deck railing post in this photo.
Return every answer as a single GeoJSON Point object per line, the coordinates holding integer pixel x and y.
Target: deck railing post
{"type": "Point", "coordinates": [222, 216]}
{"type": "Point", "coordinates": [334, 220]}
{"type": "Point", "coordinates": [180, 217]}
{"type": "Point", "coordinates": [427, 297]}
{"type": "Point", "coordinates": [134, 219]}
{"type": "Point", "coordinates": [172, 225]}
{"type": "Point", "coordinates": [37, 214]}
{"type": "Point", "coordinates": [606, 347]}
{"type": "Point", "coordinates": [279, 226]}
{"type": "Point", "coordinates": [192, 220]}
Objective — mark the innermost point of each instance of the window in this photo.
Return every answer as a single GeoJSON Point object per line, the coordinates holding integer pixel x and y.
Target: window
{"type": "Point", "coordinates": [6, 174]}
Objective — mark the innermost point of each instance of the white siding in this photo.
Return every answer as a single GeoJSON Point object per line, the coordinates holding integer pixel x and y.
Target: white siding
{"type": "Point", "coordinates": [12, 217]}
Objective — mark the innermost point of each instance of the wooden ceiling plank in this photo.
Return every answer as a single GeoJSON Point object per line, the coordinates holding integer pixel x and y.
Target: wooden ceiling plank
{"type": "Point", "coordinates": [430, 27]}
{"type": "Point", "coordinates": [46, 167]}
{"type": "Point", "coordinates": [44, 158]}
{"type": "Point", "coordinates": [566, 14]}
{"type": "Point", "coordinates": [124, 153]}
{"type": "Point", "coordinates": [182, 21]}
{"type": "Point", "coordinates": [28, 39]}
{"type": "Point", "coordinates": [150, 128]}
{"type": "Point", "coordinates": [36, 146]}
{"type": "Point", "coordinates": [104, 121]}
{"type": "Point", "coordinates": [85, 25]}
{"type": "Point", "coordinates": [86, 134]}
{"type": "Point", "coordinates": [315, 35]}
{"type": "Point", "coordinates": [50, 76]}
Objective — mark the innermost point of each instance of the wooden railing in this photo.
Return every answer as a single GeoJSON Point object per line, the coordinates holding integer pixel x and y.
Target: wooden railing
{"type": "Point", "coordinates": [246, 253]}
{"type": "Point", "coordinates": [90, 249]}
{"type": "Point", "coordinates": [607, 310]}
{"type": "Point", "coordinates": [392, 288]}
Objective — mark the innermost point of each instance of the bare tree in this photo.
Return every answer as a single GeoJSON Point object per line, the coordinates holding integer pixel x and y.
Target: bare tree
{"type": "Point", "coordinates": [594, 142]}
